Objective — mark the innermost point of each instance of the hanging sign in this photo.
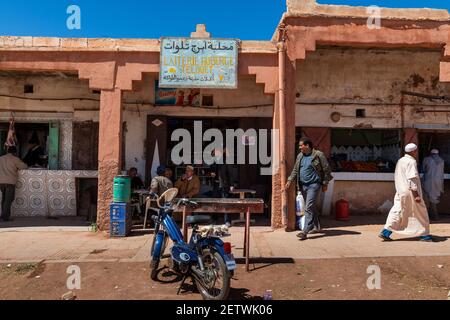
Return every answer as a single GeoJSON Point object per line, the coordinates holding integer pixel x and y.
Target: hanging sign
{"type": "Point", "coordinates": [198, 63]}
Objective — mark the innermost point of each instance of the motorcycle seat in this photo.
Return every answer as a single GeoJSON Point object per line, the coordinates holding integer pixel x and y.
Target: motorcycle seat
{"type": "Point", "coordinates": [199, 219]}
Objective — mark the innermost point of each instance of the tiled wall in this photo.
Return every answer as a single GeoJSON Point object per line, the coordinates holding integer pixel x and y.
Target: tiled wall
{"type": "Point", "coordinates": [47, 193]}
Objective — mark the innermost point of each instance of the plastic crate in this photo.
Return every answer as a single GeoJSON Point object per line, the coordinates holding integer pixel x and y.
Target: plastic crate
{"type": "Point", "coordinates": [119, 211]}
{"type": "Point", "coordinates": [119, 228]}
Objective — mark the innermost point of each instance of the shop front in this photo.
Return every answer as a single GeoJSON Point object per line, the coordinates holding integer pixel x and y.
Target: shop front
{"type": "Point", "coordinates": [48, 188]}
{"type": "Point", "coordinates": [323, 73]}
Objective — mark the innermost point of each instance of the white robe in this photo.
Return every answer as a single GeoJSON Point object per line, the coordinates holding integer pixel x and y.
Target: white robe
{"type": "Point", "coordinates": [407, 216]}
{"type": "Point", "coordinates": [433, 180]}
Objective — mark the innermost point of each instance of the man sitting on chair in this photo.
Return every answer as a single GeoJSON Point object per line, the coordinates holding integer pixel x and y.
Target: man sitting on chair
{"type": "Point", "coordinates": [189, 184]}
{"type": "Point", "coordinates": [160, 183]}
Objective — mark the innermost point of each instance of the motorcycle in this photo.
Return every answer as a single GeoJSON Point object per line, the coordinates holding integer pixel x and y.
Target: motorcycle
{"type": "Point", "coordinates": [206, 259]}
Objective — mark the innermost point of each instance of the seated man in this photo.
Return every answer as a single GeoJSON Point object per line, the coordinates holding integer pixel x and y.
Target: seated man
{"type": "Point", "coordinates": [189, 184]}
{"type": "Point", "coordinates": [136, 182]}
{"type": "Point", "coordinates": [160, 183]}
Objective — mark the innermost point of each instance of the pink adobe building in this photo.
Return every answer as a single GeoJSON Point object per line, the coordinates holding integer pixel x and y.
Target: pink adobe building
{"type": "Point", "coordinates": [360, 92]}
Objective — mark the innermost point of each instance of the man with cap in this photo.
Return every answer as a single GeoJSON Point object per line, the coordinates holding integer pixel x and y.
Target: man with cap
{"type": "Point", "coordinates": [160, 183]}
{"type": "Point", "coordinates": [433, 181]}
{"type": "Point", "coordinates": [189, 184]}
{"type": "Point", "coordinates": [409, 214]}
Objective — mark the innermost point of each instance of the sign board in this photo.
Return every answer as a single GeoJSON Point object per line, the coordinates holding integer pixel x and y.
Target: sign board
{"type": "Point", "coordinates": [198, 63]}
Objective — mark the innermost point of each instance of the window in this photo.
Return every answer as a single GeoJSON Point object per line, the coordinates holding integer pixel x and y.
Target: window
{"type": "Point", "coordinates": [207, 101]}
{"type": "Point", "coordinates": [28, 88]}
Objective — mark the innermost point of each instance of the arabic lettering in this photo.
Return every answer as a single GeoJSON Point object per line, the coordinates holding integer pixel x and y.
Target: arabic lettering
{"type": "Point", "coordinates": [177, 78]}
{"type": "Point", "coordinates": [197, 47]}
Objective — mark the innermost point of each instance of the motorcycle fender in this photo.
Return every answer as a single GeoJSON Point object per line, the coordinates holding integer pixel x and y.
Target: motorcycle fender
{"type": "Point", "coordinates": [218, 245]}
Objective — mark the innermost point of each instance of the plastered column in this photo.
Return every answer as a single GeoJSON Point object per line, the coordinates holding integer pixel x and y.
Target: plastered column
{"type": "Point", "coordinates": [109, 151]}
{"type": "Point", "coordinates": [290, 93]}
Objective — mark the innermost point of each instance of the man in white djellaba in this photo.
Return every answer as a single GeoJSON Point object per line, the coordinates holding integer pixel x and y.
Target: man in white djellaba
{"type": "Point", "coordinates": [433, 181]}
{"type": "Point", "coordinates": [409, 215]}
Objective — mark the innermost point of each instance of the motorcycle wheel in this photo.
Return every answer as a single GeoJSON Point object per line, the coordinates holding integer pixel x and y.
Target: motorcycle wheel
{"type": "Point", "coordinates": [216, 283]}
{"type": "Point", "coordinates": [159, 244]}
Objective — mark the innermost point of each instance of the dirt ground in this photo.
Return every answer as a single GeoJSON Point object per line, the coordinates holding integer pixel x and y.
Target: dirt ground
{"type": "Point", "coordinates": [342, 279]}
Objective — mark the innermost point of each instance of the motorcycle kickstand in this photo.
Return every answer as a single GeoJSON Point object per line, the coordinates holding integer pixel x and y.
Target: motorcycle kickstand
{"type": "Point", "coordinates": [181, 285]}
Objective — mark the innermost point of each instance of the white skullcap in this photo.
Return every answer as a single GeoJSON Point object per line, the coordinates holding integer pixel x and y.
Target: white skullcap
{"type": "Point", "coordinates": [410, 147]}
{"type": "Point", "coordinates": [435, 151]}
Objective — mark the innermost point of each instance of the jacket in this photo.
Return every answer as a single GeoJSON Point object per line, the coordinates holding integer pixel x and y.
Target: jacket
{"type": "Point", "coordinates": [9, 169]}
{"type": "Point", "coordinates": [188, 188]}
{"type": "Point", "coordinates": [319, 163]}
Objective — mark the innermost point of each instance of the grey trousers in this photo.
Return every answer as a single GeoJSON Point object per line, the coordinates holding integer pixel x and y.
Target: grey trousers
{"type": "Point", "coordinates": [8, 194]}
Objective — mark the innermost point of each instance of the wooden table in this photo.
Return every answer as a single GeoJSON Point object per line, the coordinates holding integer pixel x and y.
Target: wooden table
{"type": "Point", "coordinates": [241, 193]}
{"type": "Point", "coordinates": [221, 206]}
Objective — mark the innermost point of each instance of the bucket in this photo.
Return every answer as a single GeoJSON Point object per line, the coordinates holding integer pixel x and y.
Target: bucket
{"type": "Point", "coordinates": [122, 189]}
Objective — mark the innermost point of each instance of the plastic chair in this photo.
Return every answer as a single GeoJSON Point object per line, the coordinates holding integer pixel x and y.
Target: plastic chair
{"type": "Point", "coordinates": [148, 203]}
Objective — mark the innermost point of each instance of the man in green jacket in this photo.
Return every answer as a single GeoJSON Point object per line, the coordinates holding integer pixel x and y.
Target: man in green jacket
{"type": "Point", "coordinates": [313, 174]}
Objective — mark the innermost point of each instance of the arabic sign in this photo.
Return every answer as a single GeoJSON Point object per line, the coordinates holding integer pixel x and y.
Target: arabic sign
{"type": "Point", "coordinates": [198, 63]}
{"type": "Point", "coordinates": [176, 97]}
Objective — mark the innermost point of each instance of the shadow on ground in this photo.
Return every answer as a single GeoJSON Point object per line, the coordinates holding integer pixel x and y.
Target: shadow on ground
{"type": "Point", "coordinates": [370, 219]}
{"type": "Point", "coordinates": [45, 222]}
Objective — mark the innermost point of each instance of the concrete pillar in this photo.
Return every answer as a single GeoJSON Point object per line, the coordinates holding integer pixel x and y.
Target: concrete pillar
{"type": "Point", "coordinates": [290, 96]}
{"type": "Point", "coordinates": [276, 179]}
{"type": "Point", "coordinates": [109, 151]}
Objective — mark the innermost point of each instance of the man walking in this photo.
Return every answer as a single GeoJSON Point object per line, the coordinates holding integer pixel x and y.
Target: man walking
{"type": "Point", "coordinates": [409, 214]}
{"type": "Point", "coordinates": [9, 168]}
{"type": "Point", "coordinates": [433, 182]}
{"type": "Point", "coordinates": [313, 174]}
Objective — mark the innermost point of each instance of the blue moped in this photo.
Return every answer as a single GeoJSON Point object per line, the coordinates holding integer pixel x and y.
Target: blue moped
{"type": "Point", "coordinates": [206, 259]}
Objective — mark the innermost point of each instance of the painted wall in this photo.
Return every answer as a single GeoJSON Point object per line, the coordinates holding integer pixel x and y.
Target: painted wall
{"type": "Point", "coordinates": [137, 105]}
{"type": "Point", "coordinates": [365, 197]}
{"type": "Point", "coordinates": [343, 80]}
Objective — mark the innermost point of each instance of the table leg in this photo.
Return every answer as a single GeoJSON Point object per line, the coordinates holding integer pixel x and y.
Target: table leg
{"type": "Point", "coordinates": [244, 253]}
{"type": "Point", "coordinates": [247, 240]}
{"type": "Point", "coordinates": [241, 214]}
{"type": "Point", "coordinates": [185, 228]}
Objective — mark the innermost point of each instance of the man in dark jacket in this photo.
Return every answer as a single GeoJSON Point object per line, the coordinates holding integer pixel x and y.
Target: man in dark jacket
{"type": "Point", "coordinates": [313, 174]}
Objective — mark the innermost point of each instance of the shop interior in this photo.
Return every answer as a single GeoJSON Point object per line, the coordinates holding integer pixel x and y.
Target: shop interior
{"type": "Point", "coordinates": [437, 140]}
{"type": "Point", "coordinates": [33, 141]}
{"type": "Point", "coordinates": [364, 150]}
{"type": "Point", "coordinates": [248, 175]}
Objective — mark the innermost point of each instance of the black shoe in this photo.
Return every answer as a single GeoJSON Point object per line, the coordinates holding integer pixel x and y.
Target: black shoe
{"type": "Point", "coordinates": [302, 235]}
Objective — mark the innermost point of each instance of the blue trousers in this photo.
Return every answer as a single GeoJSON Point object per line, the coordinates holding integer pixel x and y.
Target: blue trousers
{"type": "Point", "coordinates": [311, 193]}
